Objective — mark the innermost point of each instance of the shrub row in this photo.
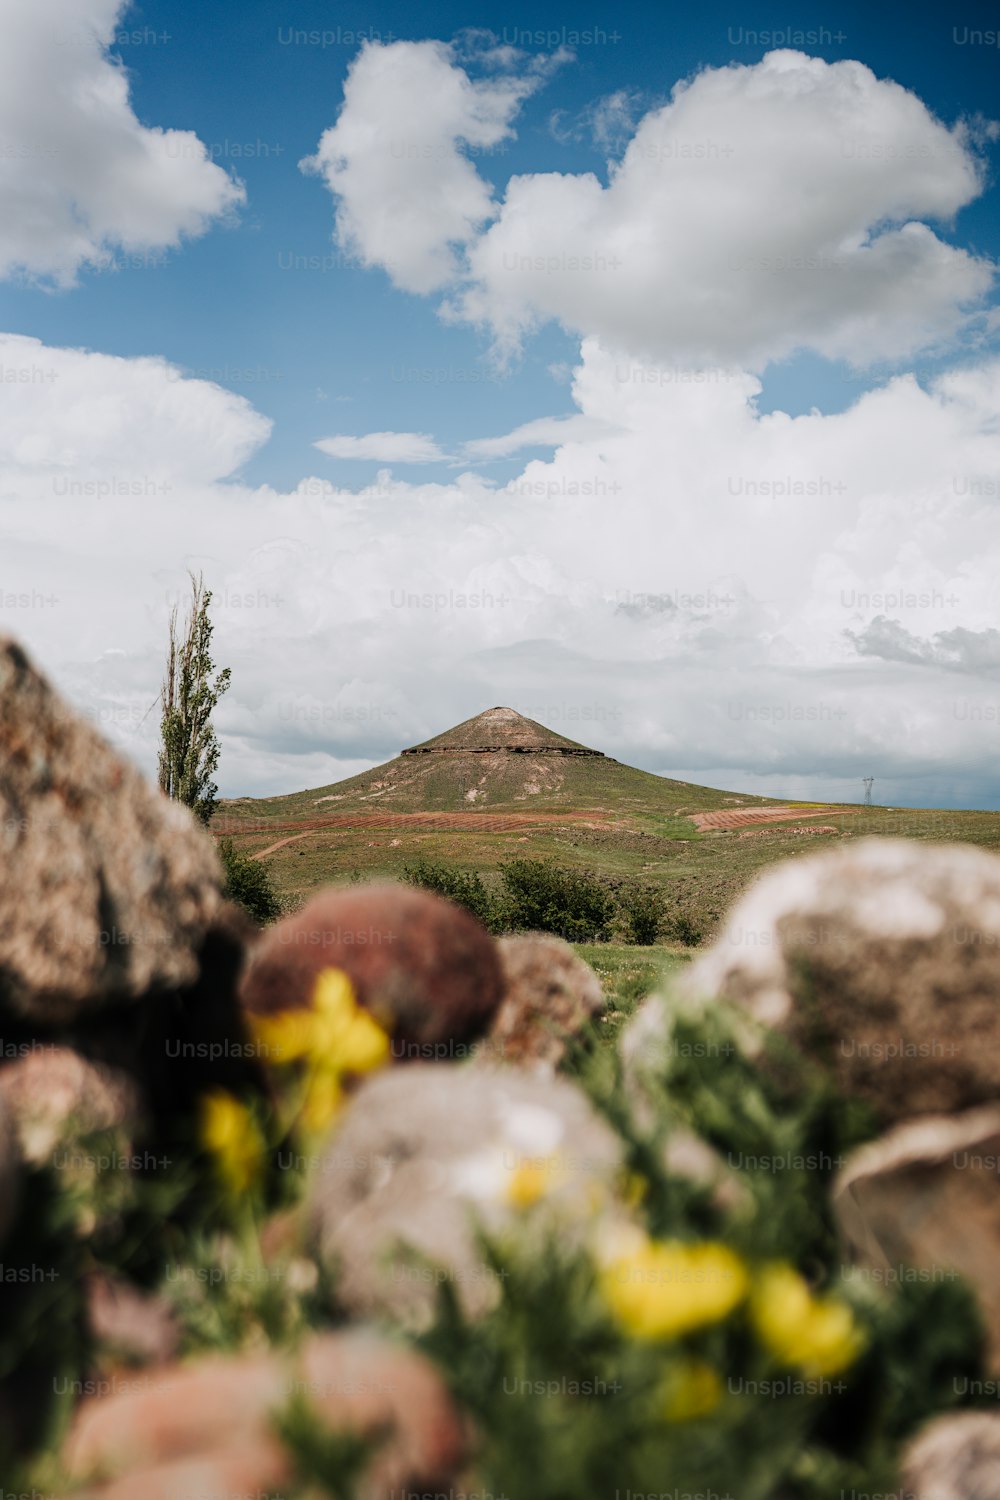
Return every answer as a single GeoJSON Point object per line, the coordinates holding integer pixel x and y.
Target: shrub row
{"type": "Point", "coordinates": [536, 895]}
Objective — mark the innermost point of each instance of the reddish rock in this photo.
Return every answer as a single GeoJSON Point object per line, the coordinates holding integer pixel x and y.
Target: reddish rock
{"type": "Point", "coordinates": [550, 996]}
{"type": "Point", "coordinates": [213, 1421]}
{"type": "Point", "coordinates": [424, 967]}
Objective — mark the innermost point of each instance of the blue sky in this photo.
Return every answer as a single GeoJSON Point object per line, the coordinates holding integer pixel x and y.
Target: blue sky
{"type": "Point", "coordinates": [204, 327]}
{"type": "Point", "coordinates": [336, 348]}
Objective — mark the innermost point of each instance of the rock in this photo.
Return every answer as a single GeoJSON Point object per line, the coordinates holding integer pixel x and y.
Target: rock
{"type": "Point", "coordinates": [954, 1458]}
{"type": "Point", "coordinates": [425, 968]}
{"type": "Point", "coordinates": [880, 960]}
{"type": "Point", "coordinates": [549, 996]}
{"type": "Point", "coordinates": [213, 1420]}
{"type": "Point", "coordinates": [928, 1195]}
{"type": "Point", "coordinates": [137, 1325]}
{"type": "Point", "coordinates": [423, 1154]}
{"type": "Point", "coordinates": [108, 888]}
{"type": "Point", "coordinates": [52, 1092]}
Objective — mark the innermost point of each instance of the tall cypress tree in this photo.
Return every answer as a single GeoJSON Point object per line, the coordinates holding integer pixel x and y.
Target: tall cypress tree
{"type": "Point", "coordinates": [189, 749]}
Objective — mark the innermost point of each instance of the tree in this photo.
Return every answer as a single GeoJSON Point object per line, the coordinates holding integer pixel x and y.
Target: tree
{"type": "Point", "coordinates": [189, 749]}
{"type": "Point", "coordinates": [248, 883]}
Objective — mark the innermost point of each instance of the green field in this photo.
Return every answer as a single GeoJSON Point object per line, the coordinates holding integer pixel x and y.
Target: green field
{"type": "Point", "coordinates": [701, 874]}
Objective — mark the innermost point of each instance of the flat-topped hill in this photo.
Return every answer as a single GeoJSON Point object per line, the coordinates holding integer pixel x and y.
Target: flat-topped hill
{"type": "Point", "coordinates": [501, 731]}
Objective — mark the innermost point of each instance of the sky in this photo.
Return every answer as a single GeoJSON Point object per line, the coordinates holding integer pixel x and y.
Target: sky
{"type": "Point", "coordinates": [636, 370]}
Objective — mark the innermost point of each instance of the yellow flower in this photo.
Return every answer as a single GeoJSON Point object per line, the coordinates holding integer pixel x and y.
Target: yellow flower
{"type": "Point", "coordinates": [230, 1132]}
{"type": "Point", "coordinates": [692, 1389]}
{"type": "Point", "coordinates": [817, 1335]}
{"type": "Point", "coordinates": [667, 1288]}
{"type": "Point", "coordinates": [533, 1178]}
{"type": "Point", "coordinates": [333, 1037]}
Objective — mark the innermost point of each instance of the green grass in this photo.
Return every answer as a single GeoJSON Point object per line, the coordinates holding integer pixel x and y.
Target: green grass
{"type": "Point", "coordinates": [628, 974]}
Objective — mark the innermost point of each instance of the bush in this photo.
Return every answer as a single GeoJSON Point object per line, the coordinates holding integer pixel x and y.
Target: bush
{"type": "Point", "coordinates": [641, 910]}
{"type": "Point", "coordinates": [541, 897]}
{"type": "Point", "coordinates": [466, 890]}
{"type": "Point", "coordinates": [682, 927]}
{"type": "Point", "coordinates": [248, 883]}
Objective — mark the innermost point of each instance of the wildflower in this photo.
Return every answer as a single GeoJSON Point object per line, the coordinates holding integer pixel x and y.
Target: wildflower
{"type": "Point", "coordinates": [817, 1335]}
{"type": "Point", "coordinates": [333, 1037]}
{"type": "Point", "coordinates": [532, 1179]}
{"type": "Point", "coordinates": [692, 1389]}
{"type": "Point", "coordinates": [230, 1132]}
{"type": "Point", "coordinates": [666, 1288]}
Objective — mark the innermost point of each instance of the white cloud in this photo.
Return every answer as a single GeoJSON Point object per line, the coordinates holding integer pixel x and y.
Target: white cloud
{"type": "Point", "coordinates": [80, 177]}
{"type": "Point", "coordinates": [677, 586]}
{"type": "Point", "coordinates": [541, 432]}
{"type": "Point", "coordinates": [398, 158]}
{"type": "Point", "coordinates": [84, 417]}
{"type": "Point", "coordinates": [384, 447]}
{"type": "Point", "coordinates": [765, 208]}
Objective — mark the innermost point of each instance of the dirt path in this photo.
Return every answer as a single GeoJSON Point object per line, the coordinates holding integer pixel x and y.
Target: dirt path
{"type": "Point", "coordinates": [280, 844]}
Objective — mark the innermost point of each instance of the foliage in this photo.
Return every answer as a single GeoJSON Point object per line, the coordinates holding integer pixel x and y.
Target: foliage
{"type": "Point", "coordinates": [189, 748]}
{"type": "Point", "coordinates": [248, 883]}
{"type": "Point", "coordinates": [798, 1382]}
{"type": "Point", "coordinates": [465, 889]}
{"type": "Point", "coordinates": [542, 897]}
{"type": "Point", "coordinates": [667, 1337]}
{"type": "Point", "coordinates": [641, 911]}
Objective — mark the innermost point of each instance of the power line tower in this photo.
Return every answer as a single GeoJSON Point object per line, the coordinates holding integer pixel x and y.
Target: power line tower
{"type": "Point", "coordinates": [869, 782]}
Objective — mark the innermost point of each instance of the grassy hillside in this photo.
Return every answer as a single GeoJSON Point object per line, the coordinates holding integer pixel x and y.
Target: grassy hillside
{"type": "Point", "coordinates": [460, 800]}
{"type": "Point", "coordinates": [501, 782]}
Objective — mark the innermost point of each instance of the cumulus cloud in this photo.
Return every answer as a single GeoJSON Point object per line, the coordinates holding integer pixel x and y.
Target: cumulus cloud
{"type": "Point", "coordinates": [673, 587]}
{"type": "Point", "coordinates": [398, 158]}
{"type": "Point", "coordinates": [764, 209]}
{"type": "Point", "coordinates": [384, 447]}
{"type": "Point", "coordinates": [80, 176]}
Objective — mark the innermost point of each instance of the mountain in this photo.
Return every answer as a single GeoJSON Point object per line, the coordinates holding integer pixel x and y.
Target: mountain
{"type": "Point", "coordinates": [497, 761]}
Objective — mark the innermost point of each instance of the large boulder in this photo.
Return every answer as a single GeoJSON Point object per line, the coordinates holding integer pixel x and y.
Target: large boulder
{"type": "Point", "coordinates": [927, 1196]}
{"type": "Point", "coordinates": [550, 997]}
{"type": "Point", "coordinates": [426, 969]}
{"type": "Point", "coordinates": [953, 1458]}
{"type": "Point", "coordinates": [207, 1428]}
{"type": "Point", "coordinates": [424, 1155]}
{"type": "Point", "coordinates": [108, 888]}
{"type": "Point", "coordinates": [879, 959]}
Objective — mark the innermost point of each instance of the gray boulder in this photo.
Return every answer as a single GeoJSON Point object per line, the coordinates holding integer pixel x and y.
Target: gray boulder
{"type": "Point", "coordinates": [927, 1196]}
{"type": "Point", "coordinates": [881, 961]}
{"type": "Point", "coordinates": [954, 1458]}
{"type": "Point", "coordinates": [424, 1154]}
{"type": "Point", "coordinates": [549, 997]}
{"type": "Point", "coordinates": [108, 888]}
